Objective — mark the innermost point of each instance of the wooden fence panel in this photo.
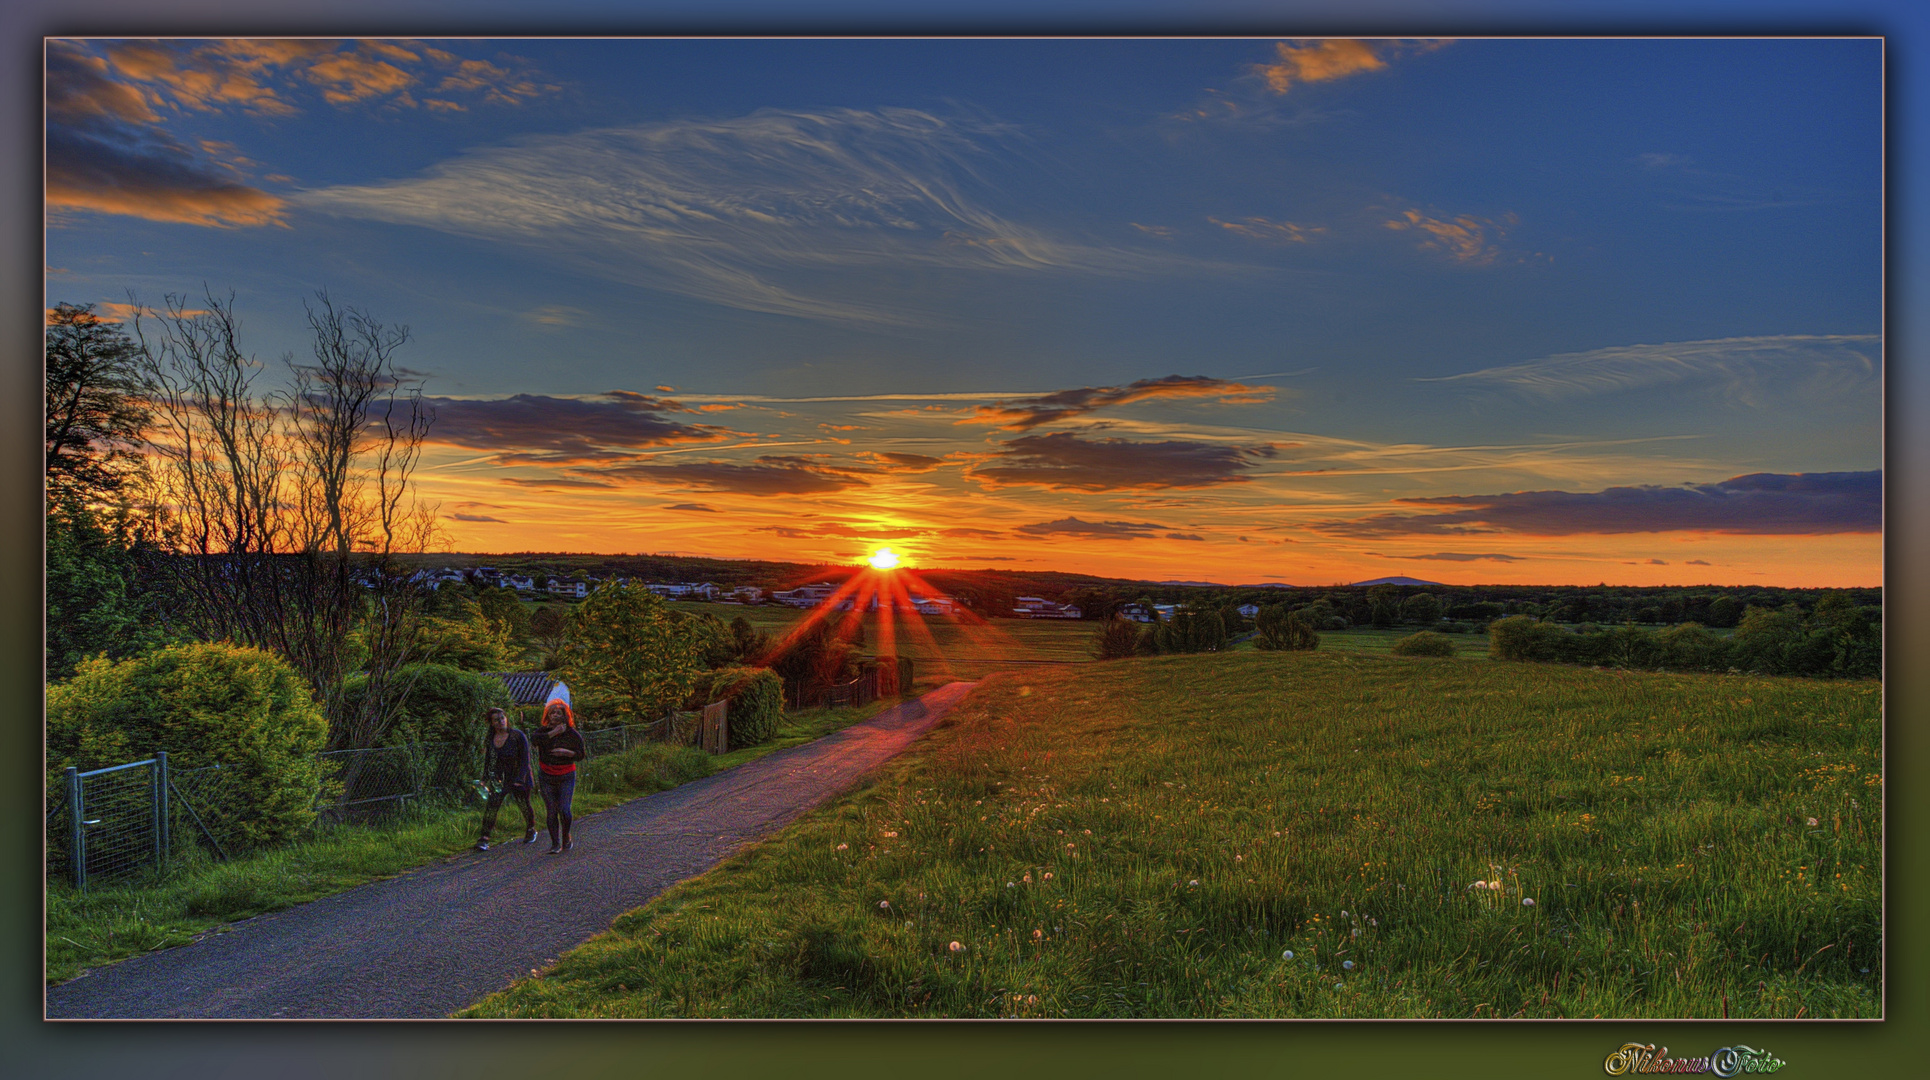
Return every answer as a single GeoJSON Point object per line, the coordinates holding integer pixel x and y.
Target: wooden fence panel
{"type": "Point", "coordinates": [716, 729]}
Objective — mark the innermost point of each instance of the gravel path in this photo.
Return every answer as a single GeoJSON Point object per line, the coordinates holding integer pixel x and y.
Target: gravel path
{"type": "Point", "coordinates": [431, 941]}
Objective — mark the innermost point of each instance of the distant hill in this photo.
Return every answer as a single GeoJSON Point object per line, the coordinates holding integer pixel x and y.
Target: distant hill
{"type": "Point", "coordinates": [1392, 581]}
{"type": "Point", "coordinates": [1193, 584]}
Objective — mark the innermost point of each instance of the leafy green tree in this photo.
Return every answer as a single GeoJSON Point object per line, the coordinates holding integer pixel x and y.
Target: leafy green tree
{"type": "Point", "coordinates": [465, 638]}
{"type": "Point", "coordinates": [503, 606]}
{"type": "Point", "coordinates": [1422, 608]}
{"type": "Point", "coordinates": [100, 598]}
{"type": "Point", "coordinates": [97, 411]}
{"type": "Point", "coordinates": [1117, 638]}
{"type": "Point", "coordinates": [747, 645]}
{"type": "Point", "coordinates": [550, 630]}
{"type": "Point", "coordinates": [1278, 629]}
{"type": "Point", "coordinates": [1384, 602]}
{"type": "Point", "coordinates": [1725, 612]}
{"type": "Point", "coordinates": [627, 649]}
{"type": "Point", "coordinates": [817, 657]}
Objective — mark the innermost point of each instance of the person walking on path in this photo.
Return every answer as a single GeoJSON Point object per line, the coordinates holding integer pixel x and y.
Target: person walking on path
{"type": "Point", "coordinates": [559, 746]}
{"type": "Point", "coordinates": [506, 763]}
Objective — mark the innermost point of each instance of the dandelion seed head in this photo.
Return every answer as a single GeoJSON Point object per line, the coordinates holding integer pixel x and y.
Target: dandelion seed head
{"type": "Point", "coordinates": [1193, 883]}
{"type": "Point", "coordinates": [1527, 901]}
{"type": "Point", "coordinates": [956, 947]}
{"type": "Point", "coordinates": [1812, 822]}
{"type": "Point", "coordinates": [841, 847]}
{"type": "Point", "coordinates": [1346, 965]}
{"type": "Point", "coordinates": [1288, 955]}
{"type": "Point", "coordinates": [884, 905]}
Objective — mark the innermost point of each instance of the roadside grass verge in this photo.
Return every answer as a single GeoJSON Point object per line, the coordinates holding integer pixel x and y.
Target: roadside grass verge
{"type": "Point", "coordinates": [114, 921]}
{"type": "Point", "coordinates": [1154, 837]}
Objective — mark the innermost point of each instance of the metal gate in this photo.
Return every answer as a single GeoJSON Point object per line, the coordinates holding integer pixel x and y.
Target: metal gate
{"type": "Point", "coordinates": [116, 819]}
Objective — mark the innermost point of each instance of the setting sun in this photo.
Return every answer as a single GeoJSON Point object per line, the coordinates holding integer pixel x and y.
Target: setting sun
{"type": "Point", "coordinates": [883, 559]}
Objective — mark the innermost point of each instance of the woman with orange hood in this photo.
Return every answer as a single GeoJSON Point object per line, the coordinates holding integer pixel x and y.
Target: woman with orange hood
{"type": "Point", "coordinates": [559, 746]}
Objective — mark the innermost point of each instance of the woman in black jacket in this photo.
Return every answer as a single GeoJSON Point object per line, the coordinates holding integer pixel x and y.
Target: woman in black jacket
{"type": "Point", "coordinates": [506, 761]}
{"type": "Point", "coordinates": [559, 746]}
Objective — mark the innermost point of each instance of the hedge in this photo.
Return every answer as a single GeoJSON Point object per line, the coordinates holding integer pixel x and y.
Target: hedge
{"type": "Point", "coordinates": [756, 697]}
{"type": "Point", "coordinates": [205, 704]}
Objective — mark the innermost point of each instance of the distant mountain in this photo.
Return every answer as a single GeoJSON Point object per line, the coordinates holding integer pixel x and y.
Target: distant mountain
{"type": "Point", "coordinates": [1394, 581]}
{"type": "Point", "coordinates": [1268, 585]}
{"type": "Point", "coordinates": [1196, 584]}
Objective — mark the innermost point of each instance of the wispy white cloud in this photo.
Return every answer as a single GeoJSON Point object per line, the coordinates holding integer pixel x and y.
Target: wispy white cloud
{"type": "Point", "coordinates": [1747, 370]}
{"type": "Point", "coordinates": [759, 213]}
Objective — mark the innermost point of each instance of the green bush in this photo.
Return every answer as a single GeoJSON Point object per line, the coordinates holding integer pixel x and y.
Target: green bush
{"type": "Point", "coordinates": [756, 697]}
{"type": "Point", "coordinates": [205, 704]}
{"type": "Point", "coordinates": [1522, 637]}
{"type": "Point", "coordinates": [1116, 639]}
{"type": "Point", "coordinates": [1425, 643]}
{"type": "Point", "coordinates": [1277, 628]}
{"type": "Point", "coordinates": [643, 769]}
{"type": "Point", "coordinates": [445, 704]}
{"type": "Point", "coordinates": [1690, 647]}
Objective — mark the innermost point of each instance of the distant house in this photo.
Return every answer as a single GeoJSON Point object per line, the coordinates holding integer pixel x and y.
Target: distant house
{"type": "Point", "coordinates": [806, 596]}
{"type": "Point", "coordinates": [533, 688]}
{"type": "Point", "coordinates": [1034, 607]}
{"type": "Point", "coordinates": [571, 587]}
{"type": "Point", "coordinates": [934, 605]}
{"type": "Point", "coordinates": [1136, 612]}
{"type": "Point", "coordinates": [744, 594]}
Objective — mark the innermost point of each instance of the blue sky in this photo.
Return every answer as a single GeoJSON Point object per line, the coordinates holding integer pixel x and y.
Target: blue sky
{"type": "Point", "coordinates": [1242, 308]}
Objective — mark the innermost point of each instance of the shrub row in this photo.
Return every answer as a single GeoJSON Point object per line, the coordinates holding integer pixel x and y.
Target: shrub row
{"type": "Point", "coordinates": [1834, 642]}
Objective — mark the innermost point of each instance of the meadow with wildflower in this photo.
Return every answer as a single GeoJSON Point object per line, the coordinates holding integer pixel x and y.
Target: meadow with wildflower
{"type": "Point", "coordinates": [1302, 835]}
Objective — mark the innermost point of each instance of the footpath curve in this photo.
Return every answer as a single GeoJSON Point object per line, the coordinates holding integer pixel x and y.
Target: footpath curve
{"type": "Point", "coordinates": [431, 941]}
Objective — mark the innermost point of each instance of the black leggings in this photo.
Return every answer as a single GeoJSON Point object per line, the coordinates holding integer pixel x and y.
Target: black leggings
{"type": "Point", "coordinates": [557, 792]}
{"type": "Point", "coordinates": [521, 795]}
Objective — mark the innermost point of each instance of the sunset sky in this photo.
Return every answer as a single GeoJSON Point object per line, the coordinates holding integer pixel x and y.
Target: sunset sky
{"type": "Point", "coordinates": [1243, 310]}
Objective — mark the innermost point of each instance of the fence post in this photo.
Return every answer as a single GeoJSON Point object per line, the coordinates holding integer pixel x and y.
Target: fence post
{"type": "Point", "coordinates": [159, 776]}
{"type": "Point", "coordinates": [77, 842]}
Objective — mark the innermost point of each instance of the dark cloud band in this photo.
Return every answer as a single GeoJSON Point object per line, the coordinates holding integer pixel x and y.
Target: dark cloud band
{"type": "Point", "coordinates": [1756, 504]}
{"type": "Point", "coordinates": [1066, 462]}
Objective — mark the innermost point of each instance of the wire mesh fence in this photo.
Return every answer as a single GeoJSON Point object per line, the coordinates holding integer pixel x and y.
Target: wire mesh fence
{"type": "Point", "coordinates": [136, 817]}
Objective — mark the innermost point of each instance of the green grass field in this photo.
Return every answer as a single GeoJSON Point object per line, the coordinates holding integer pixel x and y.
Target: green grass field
{"type": "Point", "coordinates": [942, 648]}
{"type": "Point", "coordinates": [1254, 835]}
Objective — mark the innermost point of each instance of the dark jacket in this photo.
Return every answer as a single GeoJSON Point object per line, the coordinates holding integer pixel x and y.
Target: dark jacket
{"type": "Point", "coordinates": [508, 762]}
{"type": "Point", "coordinates": [570, 739]}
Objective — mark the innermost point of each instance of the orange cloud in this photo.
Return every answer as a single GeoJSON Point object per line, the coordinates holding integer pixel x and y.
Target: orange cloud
{"type": "Point", "coordinates": [1279, 232]}
{"type": "Point", "coordinates": [346, 78]}
{"type": "Point", "coordinates": [197, 85]}
{"type": "Point", "coordinates": [184, 199]}
{"type": "Point", "coordinates": [1319, 61]}
{"type": "Point", "coordinates": [79, 90]}
{"type": "Point", "coordinates": [1463, 238]}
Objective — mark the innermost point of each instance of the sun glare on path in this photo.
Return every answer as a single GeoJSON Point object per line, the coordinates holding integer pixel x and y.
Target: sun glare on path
{"type": "Point", "coordinates": [883, 559]}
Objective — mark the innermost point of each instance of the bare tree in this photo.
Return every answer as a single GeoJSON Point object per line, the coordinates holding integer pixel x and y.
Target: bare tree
{"type": "Point", "coordinates": [291, 505]}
